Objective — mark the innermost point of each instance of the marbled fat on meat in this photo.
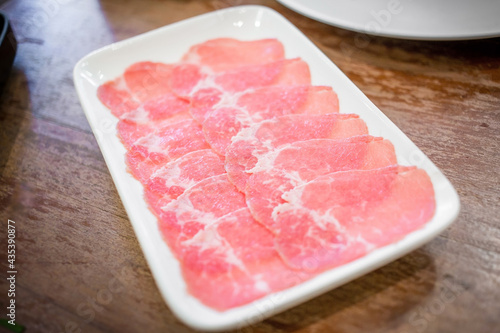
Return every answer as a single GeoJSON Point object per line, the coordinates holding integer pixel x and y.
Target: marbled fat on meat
{"type": "Point", "coordinates": [157, 146]}
{"type": "Point", "coordinates": [199, 206]}
{"type": "Point", "coordinates": [293, 165]}
{"type": "Point", "coordinates": [220, 87]}
{"type": "Point", "coordinates": [255, 141]}
{"type": "Point", "coordinates": [172, 179]}
{"type": "Point", "coordinates": [227, 258]}
{"type": "Point", "coordinates": [225, 121]}
{"type": "Point", "coordinates": [342, 216]}
{"type": "Point", "coordinates": [234, 261]}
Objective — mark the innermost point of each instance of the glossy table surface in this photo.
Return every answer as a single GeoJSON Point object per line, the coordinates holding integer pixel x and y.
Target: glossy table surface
{"type": "Point", "coordinates": [80, 268]}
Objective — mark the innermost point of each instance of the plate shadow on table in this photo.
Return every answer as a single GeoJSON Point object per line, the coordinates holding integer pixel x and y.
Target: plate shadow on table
{"type": "Point", "coordinates": [398, 54]}
{"type": "Point", "coordinates": [406, 282]}
{"type": "Point", "coordinates": [430, 54]}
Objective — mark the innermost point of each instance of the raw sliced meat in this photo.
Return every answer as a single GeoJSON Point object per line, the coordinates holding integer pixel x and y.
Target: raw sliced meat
{"type": "Point", "coordinates": [293, 165]}
{"type": "Point", "coordinates": [223, 54]}
{"type": "Point", "coordinates": [185, 79]}
{"type": "Point", "coordinates": [220, 87]}
{"type": "Point", "coordinates": [159, 111]}
{"type": "Point", "coordinates": [115, 96]}
{"type": "Point", "coordinates": [288, 72]}
{"type": "Point", "coordinates": [234, 261]}
{"type": "Point", "coordinates": [172, 179]}
{"type": "Point", "coordinates": [265, 102]}
{"type": "Point", "coordinates": [341, 216]}
{"type": "Point", "coordinates": [227, 258]}
{"type": "Point", "coordinates": [199, 206]}
{"type": "Point", "coordinates": [225, 121]}
{"type": "Point", "coordinates": [203, 101]}
{"type": "Point", "coordinates": [147, 80]}
{"type": "Point", "coordinates": [150, 148]}
{"type": "Point", "coordinates": [165, 106]}
{"type": "Point", "coordinates": [313, 191]}
{"type": "Point", "coordinates": [260, 138]}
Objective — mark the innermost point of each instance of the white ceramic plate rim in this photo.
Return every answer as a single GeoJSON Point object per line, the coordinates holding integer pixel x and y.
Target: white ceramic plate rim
{"type": "Point", "coordinates": [167, 44]}
{"type": "Point", "coordinates": [344, 14]}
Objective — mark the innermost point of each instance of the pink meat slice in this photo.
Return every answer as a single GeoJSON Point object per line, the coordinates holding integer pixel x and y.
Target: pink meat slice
{"type": "Point", "coordinates": [293, 165]}
{"type": "Point", "coordinates": [224, 122]}
{"type": "Point", "coordinates": [223, 86]}
{"type": "Point", "coordinates": [266, 102]}
{"type": "Point", "coordinates": [260, 138]}
{"type": "Point", "coordinates": [203, 101]}
{"type": "Point", "coordinates": [223, 54]}
{"type": "Point", "coordinates": [172, 179]}
{"type": "Point", "coordinates": [166, 106]}
{"type": "Point", "coordinates": [234, 261]}
{"type": "Point", "coordinates": [227, 258]}
{"type": "Point", "coordinates": [341, 216]}
{"type": "Point", "coordinates": [147, 80]}
{"type": "Point", "coordinates": [149, 147]}
{"type": "Point", "coordinates": [115, 96]}
{"type": "Point", "coordinates": [199, 206]}
{"type": "Point", "coordinates": [290, 72]}
{"type": "Point", "coordinates": [159, 111]}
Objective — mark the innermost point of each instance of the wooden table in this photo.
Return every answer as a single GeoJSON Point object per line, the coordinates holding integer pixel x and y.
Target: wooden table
{"type": "Point", "coordinates": [80, 268]}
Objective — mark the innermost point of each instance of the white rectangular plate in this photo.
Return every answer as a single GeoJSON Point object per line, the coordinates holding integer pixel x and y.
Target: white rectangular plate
{"type": "Point", "coordinates": [167, 44]}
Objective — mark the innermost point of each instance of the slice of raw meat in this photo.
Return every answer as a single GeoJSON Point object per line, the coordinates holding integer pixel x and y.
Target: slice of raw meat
{"type": "Point", "coordinates": [172, 179]}
{"type": "Point", "coordinates": [227, 258]}
{"type": "Point", "coordinates": [225, 121]}
{"type": "Point", "coordinates": [222, 54]}
{"type": "Point", "coordinates": [199, 206]}
{"type": "Point", "coordinates": [203, 101]}
{"type": "Point", "coordinates": [265, 102]}
{"type": "Point", "coordinates": [159, 111]}
{"type": "Point", "coordinates": [341, 216]}
{"type": "Point", "coordinates": [116, 97]}
{"type": "Point", "coordinates": [149, 148]}
{"type": "Point", "coordinates": [221, 88]}
{"type": "Point", "coordinates": [260, 138]}
{"type": "Point", "coordinates": [292, 165]}
{"type": "Point", "coordinates": [234, 261]}
{"type": "Point", "coordinates": [147, 80]}
{"type": "Point", "coordinates": [290, 72]}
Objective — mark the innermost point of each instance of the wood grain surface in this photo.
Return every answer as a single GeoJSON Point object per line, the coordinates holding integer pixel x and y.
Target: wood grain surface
{"type": "Point", "coordinates": [80, 268]}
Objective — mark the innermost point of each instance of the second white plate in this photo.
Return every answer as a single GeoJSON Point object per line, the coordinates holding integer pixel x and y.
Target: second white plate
{"type": "Point", "coordinates": [409, 19]}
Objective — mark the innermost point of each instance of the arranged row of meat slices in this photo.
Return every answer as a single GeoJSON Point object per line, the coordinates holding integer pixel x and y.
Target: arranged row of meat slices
{"type": "Point", "coordinates": [257, 180]}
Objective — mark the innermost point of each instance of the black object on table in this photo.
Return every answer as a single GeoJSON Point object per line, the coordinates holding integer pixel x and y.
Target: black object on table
{"type": "Point", "coordinates": [8, 48]}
